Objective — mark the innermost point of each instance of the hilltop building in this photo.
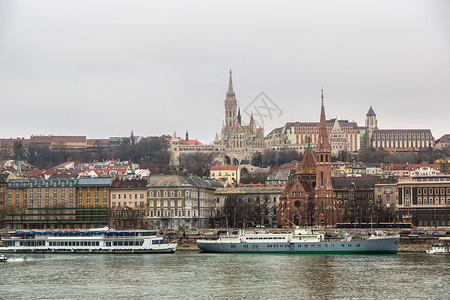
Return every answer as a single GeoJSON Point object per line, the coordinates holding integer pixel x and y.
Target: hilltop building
{"type": "Point", "coordinates": [237, 142]}
{"type": "Point", "coordinates": [344, 136]}
{"type": "Point", "coordinates": [395, 139]}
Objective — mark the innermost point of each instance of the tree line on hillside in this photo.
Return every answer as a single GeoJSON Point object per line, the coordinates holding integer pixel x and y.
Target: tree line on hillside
{"type": "Point", "coordinates": [428, 155]}
{"type": "Point", "coordinates": [151, 153]}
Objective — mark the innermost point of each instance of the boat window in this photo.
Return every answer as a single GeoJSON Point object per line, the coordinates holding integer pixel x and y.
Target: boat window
{"type": "Point", "coordinates": [233, 246]}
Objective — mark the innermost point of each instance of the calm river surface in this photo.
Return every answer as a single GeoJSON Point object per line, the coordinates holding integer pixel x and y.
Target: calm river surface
{"type": "Point", "coordinates": [192, 275]}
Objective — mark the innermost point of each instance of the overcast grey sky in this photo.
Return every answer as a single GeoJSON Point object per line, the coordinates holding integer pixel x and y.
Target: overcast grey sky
{"type": "Point", "coordinates": [104, 68]}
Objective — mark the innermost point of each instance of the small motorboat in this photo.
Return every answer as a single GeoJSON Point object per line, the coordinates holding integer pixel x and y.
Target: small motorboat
{"type": "Point", "coordinates": [441, 248]}
{"type": "Point", "coordinates": [3, 258]}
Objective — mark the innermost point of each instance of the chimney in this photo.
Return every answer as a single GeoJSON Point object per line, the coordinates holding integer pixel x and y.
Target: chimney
{"type": "Point", "coordinates": [187, 136]}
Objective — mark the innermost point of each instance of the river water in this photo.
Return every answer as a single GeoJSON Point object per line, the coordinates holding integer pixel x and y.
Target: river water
{"type": "Point", "coordinates": [193, 275]}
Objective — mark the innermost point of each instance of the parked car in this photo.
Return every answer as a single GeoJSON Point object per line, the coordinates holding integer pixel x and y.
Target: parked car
{"type": "Point", "coordinates": [194, 233]}
{"type": "Point", "coordinates": [209, 233]}
{"type": "Point", "coordinates": [438, 234]}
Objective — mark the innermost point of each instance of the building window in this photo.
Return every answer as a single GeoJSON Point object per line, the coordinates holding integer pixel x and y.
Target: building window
{"type": "Point", "coordinates": [158, 203]}
{"type": "Point", "coordinates": [180, 203]}
{"type": "Point", "coordinates": [151, 194]}
{"type": "Point", "coordinates": [165, 193]}
{"type": "Point", "coordinates": [114, 196]}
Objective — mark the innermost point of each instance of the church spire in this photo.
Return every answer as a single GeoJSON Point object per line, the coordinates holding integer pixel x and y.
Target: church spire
{"type": "Point", "coordinates": [230, 85]}
{"type": "Point", "coordinates": [324, 142]}
{"type": "Point", "coordinates": [239, 115]}
{"type": "Point", "coordinates": [230, 105]}
{"type": "Point", "coordinates": [322, 96]}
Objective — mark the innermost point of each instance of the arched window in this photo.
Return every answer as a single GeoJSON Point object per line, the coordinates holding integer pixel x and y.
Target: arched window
{"type": "Point", "coordinates": [321, 178]}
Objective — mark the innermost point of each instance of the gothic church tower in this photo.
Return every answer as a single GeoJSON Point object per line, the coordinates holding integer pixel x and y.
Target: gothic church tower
{"type": "Point", "coordinates": [230, 105]}
{"type": "Point", "coordinates": [325, 201]}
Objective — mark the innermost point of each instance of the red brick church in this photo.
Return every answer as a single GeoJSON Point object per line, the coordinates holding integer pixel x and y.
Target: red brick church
{"type": "Point", "coordinates": [309, 198]}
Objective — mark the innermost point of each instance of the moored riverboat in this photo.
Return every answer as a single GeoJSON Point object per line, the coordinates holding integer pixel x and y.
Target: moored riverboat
{"type": "Point", "coordinates": [443, 247]}
{"type": "Point", "coordinates": [302, 240]}
{"type": "Point", "coordinates": [3, 258]}
{"type": "Point", "coordinates": [100, 240]}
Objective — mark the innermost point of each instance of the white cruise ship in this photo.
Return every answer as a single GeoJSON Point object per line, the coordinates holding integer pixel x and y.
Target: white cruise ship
{"type": "Point", "coordinates": [100, 240]}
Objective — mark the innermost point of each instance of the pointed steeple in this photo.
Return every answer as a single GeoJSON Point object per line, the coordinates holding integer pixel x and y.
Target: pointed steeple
{"type": "Point", "coordinates": [371, 113]}
{"type": "Point", "coordinates": [239, 115]}
{"type": "Point", "coordinates": [252, 121]}
{"type": "Point", "coordinates": [323, 144]}
{"type": "Point", "coordinates": [230, 85]}
{"type": "Point", "coordinates": [230, 105]}
{"type": "Point", "coordinates": [174, 137]}
{"type": "Point", "coordinates": [217, 137]}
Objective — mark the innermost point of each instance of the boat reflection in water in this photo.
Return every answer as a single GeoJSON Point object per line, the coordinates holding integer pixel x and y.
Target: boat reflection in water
{"type": "Point", "coordinates": [302, 240]}
{"type": "Point", "coordinates": [101, 240]}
